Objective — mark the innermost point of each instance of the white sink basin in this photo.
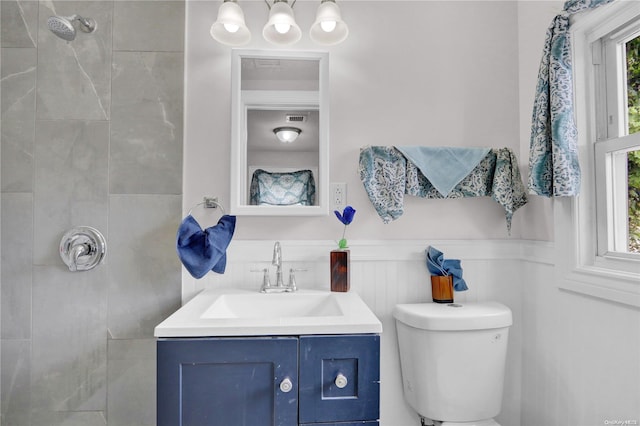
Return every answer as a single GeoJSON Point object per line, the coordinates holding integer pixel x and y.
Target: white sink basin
{"type": "Point", "coordinates": [278, 305]}
{"type": "Point", "coordinates": [234, 312]}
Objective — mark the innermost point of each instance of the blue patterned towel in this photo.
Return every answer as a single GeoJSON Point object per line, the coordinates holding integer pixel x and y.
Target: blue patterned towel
{"type": "Point", "coordinates": [445, 167]}
{"type": "Point", "coordinates": [282, 188]}
{"type": "Point", "coordinates": [387, 176]}
{"type": "Point", "coordinates": [201, 250]}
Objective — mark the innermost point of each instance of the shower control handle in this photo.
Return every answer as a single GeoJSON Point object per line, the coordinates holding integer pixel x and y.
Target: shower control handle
{"type": "Point", "coordinates": [82, 248]}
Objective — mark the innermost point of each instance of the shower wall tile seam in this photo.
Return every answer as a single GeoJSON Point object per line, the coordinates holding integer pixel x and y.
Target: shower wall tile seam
{"type": "Point", "coordinates": [147, 51]}
{"type": "Point", "coordinates": [73, 120]}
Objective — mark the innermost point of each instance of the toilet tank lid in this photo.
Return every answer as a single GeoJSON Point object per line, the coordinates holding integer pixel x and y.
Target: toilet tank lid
{"type": "Point", "coordinates": [454, 316]}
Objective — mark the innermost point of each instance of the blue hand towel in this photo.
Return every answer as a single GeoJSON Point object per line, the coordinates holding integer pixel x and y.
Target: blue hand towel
{"type": "Point", "coordinates": [445, 167]}
{"type": "Point", "coordinates": [202, 251]}
{"type": "Point", "coordinates": [437, 265]}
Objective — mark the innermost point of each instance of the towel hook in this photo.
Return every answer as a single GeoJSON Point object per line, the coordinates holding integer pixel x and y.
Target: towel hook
{"type": "Point", "coordinates": [209, 203]}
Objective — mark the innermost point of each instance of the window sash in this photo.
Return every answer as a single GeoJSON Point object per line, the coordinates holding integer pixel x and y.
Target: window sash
{"type": "Point", "coordinates": [611, 194]}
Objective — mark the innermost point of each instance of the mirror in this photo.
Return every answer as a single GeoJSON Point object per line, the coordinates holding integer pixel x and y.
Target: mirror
{"type": "Point", "coordinates": [286, 174]}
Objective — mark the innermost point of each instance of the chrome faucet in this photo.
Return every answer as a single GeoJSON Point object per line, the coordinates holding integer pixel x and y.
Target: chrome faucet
{"type": "Point", "coordinates": [279, 286]}
{"type": "Point", "coordinates": [277, 262]}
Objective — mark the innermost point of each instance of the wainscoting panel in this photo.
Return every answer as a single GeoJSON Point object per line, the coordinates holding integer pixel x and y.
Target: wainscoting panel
{"type": "Point", "coordinates": [385, 273]}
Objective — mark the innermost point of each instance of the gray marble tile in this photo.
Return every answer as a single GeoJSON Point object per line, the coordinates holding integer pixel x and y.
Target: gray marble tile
{"type": "Point", "coordinates": [132, 382]}
{"type": "Point", "coordinates": [148, 26]}
{"type": "Point", "coordinates": [18, 95]}
{"type": "Point", "coordinates": [15, 382]}
{"type": "Point", "coordinates": [69, 418]}
{"type": "Point", "coordinates": [69, 344]}
{"type": "Point", "coordinates": [19, 23]}
{"type": "Point", "coordinates": [17, 261]}
{"type": "Point", "coordinates": [146, 124]}
{"type": "Point", "coordinates": [144, 270]}
{"type": "Point", "coordinates": [71, 182]}
{"type": "Point", "coordinates": [74, 77]}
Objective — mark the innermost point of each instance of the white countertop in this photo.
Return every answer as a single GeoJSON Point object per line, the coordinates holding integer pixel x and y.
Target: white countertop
{"type": "Point", "coordinates": [236, 312]}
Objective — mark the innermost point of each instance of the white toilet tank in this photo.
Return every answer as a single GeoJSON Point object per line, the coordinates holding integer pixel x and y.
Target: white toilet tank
{"type": "Point", "coordinates": [453, 358]}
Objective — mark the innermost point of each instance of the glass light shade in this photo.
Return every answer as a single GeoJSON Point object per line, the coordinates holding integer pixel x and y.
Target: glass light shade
{"type": "Point", "coordinates": [280, 16]}
{"type": "Point", "coordinates": [230, 18]}
{"type": "Point", "coordinates": [327, 16]}
{"type": "Point", "coordinates": [287, 134]}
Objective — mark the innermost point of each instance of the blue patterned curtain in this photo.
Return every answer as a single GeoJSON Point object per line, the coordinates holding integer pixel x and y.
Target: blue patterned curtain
{"type": "Point", "coordinates": [553, 154]}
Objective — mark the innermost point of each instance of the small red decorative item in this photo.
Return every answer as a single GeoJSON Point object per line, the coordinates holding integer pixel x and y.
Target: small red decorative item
{"type": "Point", "coordinates": [339, 270]}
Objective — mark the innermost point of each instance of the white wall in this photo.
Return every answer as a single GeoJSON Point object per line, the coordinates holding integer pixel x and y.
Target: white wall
{"type": "Point", "coordinates": [411, 72]}
{"type": "Point", "coordinates": [451, 73]}
{"type": "Point", "coordinates": [579, 354]}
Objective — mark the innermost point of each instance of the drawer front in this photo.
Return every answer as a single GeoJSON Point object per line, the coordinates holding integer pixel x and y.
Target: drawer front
{"type": "Point", "coordinates": [223, 382]}
{"type": "Point", "coordinates": [339, 378]}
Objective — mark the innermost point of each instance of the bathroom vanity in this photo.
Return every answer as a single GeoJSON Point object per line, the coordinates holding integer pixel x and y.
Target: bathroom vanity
{"type": "Point", "coordinates": [219, 363]}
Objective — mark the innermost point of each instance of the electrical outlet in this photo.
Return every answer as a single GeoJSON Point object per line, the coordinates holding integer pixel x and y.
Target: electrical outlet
{"type": "Point", "coordinates": [338, 196]}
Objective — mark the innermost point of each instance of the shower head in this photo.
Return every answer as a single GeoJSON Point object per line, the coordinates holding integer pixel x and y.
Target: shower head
{"type": "Point", "coordinates": [62, 26]}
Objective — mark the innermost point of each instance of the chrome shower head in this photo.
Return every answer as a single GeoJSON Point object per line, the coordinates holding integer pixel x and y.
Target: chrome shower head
{"type": "Point", "coordinates": [62, 26]}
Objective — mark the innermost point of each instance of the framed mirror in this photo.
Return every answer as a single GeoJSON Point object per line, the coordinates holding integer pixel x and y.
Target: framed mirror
{"type": "Point", "coordinates": [279, 134]}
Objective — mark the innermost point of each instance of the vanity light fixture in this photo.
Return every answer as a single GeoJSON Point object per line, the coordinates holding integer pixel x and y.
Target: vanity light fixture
{"type": "Point", "coordinates": [230, 28]}
{"type": "Point", "coordinates": [328, 28]}
{"type": "Point", "coordinates": [287, 134]}
{"type": "Point", "coordinates": [281, 27]}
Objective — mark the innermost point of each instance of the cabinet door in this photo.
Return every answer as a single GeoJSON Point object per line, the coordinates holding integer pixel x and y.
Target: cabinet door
{"type": "Point", "coordinates": [227, 382]}
{"type": "Point", "coordinates": [339, 378]}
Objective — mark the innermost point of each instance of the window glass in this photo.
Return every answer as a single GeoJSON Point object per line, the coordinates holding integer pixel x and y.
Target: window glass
{"type": "Point", "coordinates": [632, 49]}
{"type": "Point", "coordinates": [618, 156]}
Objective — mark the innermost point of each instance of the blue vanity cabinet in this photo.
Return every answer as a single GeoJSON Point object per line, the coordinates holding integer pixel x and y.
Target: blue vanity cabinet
{"type": "Point", "coordinates": [227, 382]}
{"type": "Point", "coordinates": [339, 380]}
{"type": "Point", "coordinates": [333, 380]}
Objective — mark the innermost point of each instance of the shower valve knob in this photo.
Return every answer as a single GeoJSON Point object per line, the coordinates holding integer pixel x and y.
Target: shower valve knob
{"type": "Point", "coordinates": [82, 248]}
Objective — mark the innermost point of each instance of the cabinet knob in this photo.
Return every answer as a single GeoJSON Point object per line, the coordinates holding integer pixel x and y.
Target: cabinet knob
{"type": "Point", "coordinates": [286, 385]}
{"type": "Point", "coordinates": [341, 381]}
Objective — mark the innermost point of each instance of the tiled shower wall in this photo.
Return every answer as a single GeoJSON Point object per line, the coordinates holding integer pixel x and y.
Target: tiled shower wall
{"type": "Point", "coordinates": [91, 135]}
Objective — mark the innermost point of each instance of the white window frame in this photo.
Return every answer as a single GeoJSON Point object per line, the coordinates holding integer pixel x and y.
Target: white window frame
{"type": "Point", "coordinates": [581, 267]}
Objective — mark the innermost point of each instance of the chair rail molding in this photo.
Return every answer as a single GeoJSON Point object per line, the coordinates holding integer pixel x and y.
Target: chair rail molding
{"type": "Point", "coordinates": [385, 255]}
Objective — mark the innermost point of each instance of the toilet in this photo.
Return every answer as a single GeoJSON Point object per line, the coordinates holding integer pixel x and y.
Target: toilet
{"type": "Point", "coordinates": [452, 358]}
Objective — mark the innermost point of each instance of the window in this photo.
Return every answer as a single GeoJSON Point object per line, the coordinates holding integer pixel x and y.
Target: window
{"type": "Point", "coordinates": [617, 157]}
{"type": "Point", "coordinates": [596, 234]}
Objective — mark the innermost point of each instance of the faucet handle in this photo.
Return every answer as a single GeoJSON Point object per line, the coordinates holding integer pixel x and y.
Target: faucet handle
{"type": "Point", "coordinates": [266, 282]}
{"type": "Point", "coordinates": [292, 278]}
